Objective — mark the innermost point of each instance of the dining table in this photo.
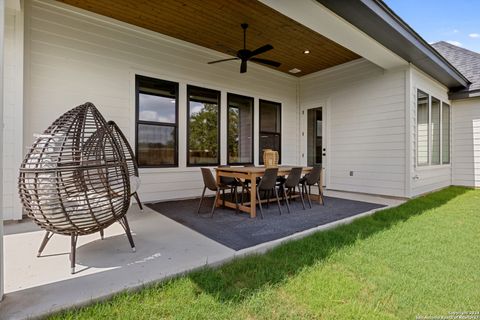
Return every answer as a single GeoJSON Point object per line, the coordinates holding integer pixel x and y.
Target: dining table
{"type": "Point", "coordinates": [243, 174]}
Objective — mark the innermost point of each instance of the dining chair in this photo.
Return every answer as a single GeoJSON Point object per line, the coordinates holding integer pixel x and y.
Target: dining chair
{"type": "Point", "coordinates": [246, 183]}
{"type": "Point", "coordinates": [268, 184]}
{"type": "Point", "coordinates": [212, 185]}
{"type": "Point", "coordinates": [232, 183]}
{"type": "Point", "coordinates": [311, 179]}
{"type": "Point", "coordinates": [290, 184]}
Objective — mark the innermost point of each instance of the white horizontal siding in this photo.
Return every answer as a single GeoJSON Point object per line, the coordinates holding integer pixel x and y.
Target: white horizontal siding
{"type": "Point", "coordinates": [12, 105]}
{"type": "Point", "coordinates": [365, 126]}
{"type": "Point", "coordinates": [76, 56]}
{"type": "Point", "coordinates": [466, 142]}
{"type": "Point", "coordinates": [426, 178]}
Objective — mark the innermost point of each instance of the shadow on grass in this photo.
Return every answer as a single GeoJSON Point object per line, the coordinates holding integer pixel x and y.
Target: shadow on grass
{"type": "Point", "coordinates": [239, 279]}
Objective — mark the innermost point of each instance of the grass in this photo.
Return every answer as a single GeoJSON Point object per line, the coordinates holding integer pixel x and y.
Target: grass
{"type": "Point", "coordinates": [421, 258]}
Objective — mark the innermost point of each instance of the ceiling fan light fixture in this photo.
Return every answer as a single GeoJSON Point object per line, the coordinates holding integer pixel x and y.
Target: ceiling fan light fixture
{"type": "Point", "coordinates": [294, 70]}
{"type": "Point", "coordinates": [306, 51]}
{"type": "Point", "coordinates": [246, 55]}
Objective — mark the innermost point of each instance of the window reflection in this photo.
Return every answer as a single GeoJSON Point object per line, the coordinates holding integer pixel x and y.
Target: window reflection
{"type": "Point", "coordinates": [240, 129]}
{"type": "Point", "coordinates": [156, 122]}
{"type": "Point", "coordinates": [156, 108]}
{"type": "Point", "coordinates": [203, 126]}
{"type": "Point", "coordinates": [270, 128]}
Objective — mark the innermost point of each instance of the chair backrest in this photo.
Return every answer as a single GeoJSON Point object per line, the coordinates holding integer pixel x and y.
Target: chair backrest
{"type": "Point", "coordinates": [125, 147]}
{"type": "Point", "coordinates": [269, 179]}
{"type": "Point", "coordinates": [294, 177]}
{"type": "Point", "coordinates": [314, 176]}
{"type": "Point", "coordinates": [209, 179]}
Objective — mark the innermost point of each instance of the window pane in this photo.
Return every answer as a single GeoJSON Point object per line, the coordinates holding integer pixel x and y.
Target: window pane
{"type": "Point", "coordinates": [156, 108]}
{"type": "Point", "coordinates": [435, 131]}
{"type": "Point", "coordinates": [445, 133]}
{"type": "Point", "coordinates": [240, 126]}
{"type": "Point", "coordinates": [270, 123]}
{"type": "Point", "coordinates": [422, 128]}
{"type": "Point", "coordinates": [270, 116]}
{"type": "Point", "coordinates": [269, 141]}
{"type": "Point", "coordinates": [203, 127]}
{"type": "Point", "coordinates": [156, 145]}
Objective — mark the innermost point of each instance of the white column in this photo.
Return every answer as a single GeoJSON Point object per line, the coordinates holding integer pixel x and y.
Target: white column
{"type": "Point", "coordinates": [223, 127]}
{"type": "Point", "coordinates": [2, 32]}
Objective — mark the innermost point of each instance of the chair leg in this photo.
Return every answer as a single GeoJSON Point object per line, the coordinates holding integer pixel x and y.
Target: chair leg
{"type": "Point", "coordinates": [320, 195]}
{"type": "Point", "coordinates": [73, 252]}
{"type": "Point", "coordinates": [102, 234]}
{"type": "Point", "coordinates": [301, 197]}
{"type": "Point", "coordinates": [268, 197]}
{"type": "Point", "coordinates": [126, 227]}
{"type": "Point", "coordinates": [260, 203]}
{"type": "Point", "coordinates": [217, 194]}
{"type": "Point", "coordinates": [286, 198]}
{"type": "Point", "coordinates": [138, 201]}
{"type": "Point", "coordinates": [308, 197]}
{"type": "Point", "coordinates": [201, 200]}
{"type": "Point", "coordinates": [223, 198]}
{"type": "Point", "coordinates": [278, 201]}
{"type": "Point", "coordinates": [236, 201]}
{"type": "Point", "coordinates": [243, 190]}
{"type": "Point", "coordinates": [48, 236]}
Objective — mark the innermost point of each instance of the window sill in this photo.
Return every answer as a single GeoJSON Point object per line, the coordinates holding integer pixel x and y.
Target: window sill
{"type": "Point", "coordinates": [433, 167]}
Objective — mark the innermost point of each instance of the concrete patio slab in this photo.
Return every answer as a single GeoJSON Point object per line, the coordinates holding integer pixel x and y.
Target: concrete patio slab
{"type": "Point", "coordinates": [36, 287]}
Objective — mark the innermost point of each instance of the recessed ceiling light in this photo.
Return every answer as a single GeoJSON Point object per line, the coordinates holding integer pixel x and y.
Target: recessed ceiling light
{"type": "Point", "coordinates": [306, 51]}
{"type": "Point", "coordinates": [294, 70]}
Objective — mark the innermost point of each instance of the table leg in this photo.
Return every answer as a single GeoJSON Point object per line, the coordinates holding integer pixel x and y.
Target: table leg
{"type": "Point", "coordinates": [253, 195]}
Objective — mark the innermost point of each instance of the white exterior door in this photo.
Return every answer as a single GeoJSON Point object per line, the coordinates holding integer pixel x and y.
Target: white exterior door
{"type": "Point", "coordinates": [314, 138]}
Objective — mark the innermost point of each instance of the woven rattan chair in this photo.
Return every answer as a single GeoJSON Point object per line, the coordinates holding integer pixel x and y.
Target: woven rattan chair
{"type": "Point", "coordinates": [74, 179]}
{"type": "Point", "coordinates": [130, 159]}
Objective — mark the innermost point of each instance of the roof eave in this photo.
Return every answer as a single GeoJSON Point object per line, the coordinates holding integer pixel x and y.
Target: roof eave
{"type": "Point", "coordinates": [459, 95]}
{"type": "Point", "coordinates": [374, 18]}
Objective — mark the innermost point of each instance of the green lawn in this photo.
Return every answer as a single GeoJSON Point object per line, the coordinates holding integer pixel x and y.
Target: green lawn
{"type": "Point", "coordinates": [422, 258]}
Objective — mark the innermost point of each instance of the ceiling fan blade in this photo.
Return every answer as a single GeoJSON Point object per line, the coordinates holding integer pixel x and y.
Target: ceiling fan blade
{"type": "Point", "coordinates": [267, 62]}
{"type": "Point", "coordinates": [262, 49]}
{"type": "Point", "coordinates": [243, 66]}
{"type": "Point", "coordinates": [223, 60]}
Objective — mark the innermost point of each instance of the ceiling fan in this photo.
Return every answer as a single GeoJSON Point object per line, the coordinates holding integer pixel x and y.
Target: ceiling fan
{"type": "Point", "coordinates": [247, 55]}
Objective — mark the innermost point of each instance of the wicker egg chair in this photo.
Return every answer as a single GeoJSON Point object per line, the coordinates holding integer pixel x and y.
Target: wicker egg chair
{"type": "Point", "coordinates": [74, 180]}
{"type": "Point", "coordinates": [129, 158]}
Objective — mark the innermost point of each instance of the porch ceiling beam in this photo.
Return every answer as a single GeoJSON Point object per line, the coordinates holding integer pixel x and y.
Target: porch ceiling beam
{"type": "Point", "coordinates": [317, 17]}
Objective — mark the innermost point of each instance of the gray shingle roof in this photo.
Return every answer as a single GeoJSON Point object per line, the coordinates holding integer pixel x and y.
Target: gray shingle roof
{"type": "Point", "coordinates": [465, 61]}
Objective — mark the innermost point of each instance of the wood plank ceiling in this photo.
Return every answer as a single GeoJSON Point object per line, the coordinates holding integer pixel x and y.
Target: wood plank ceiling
{"type": "Point", "coordinates": [215, 24]}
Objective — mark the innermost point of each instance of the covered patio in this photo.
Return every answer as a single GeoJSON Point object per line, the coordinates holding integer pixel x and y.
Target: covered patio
{"type": "Point", "coordinates": [321, 93]}
{"type": "Point", "coordinates": [165, 248]}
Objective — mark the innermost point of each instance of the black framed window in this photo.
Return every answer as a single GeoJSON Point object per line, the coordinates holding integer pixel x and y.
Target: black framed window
{"type": "Point", "coordinates": [423, 115]}
{"type": "Point", "coordinates": [156, 122]}
{"type": "Point", "coordinates": [203, 129]}
{"type": "Point", "coordinates": [240, 129]}
{"type": "Point", "coordinates": [270, 128]}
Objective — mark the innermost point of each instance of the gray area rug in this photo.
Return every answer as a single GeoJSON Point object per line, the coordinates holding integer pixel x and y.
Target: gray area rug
{"type": "Point", "coordinates": [240, 231]}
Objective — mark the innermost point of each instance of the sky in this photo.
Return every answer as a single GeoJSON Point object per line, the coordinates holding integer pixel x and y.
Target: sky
{"type": "Point", "coordinates": [454, 21]}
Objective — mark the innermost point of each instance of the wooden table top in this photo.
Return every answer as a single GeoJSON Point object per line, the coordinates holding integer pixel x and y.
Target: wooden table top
{"type": "Point", "coordinates": [259, 169]}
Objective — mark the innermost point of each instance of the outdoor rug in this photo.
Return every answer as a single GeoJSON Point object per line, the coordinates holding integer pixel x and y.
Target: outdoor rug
{"type": "Point", "coordinates": [240, 231]}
